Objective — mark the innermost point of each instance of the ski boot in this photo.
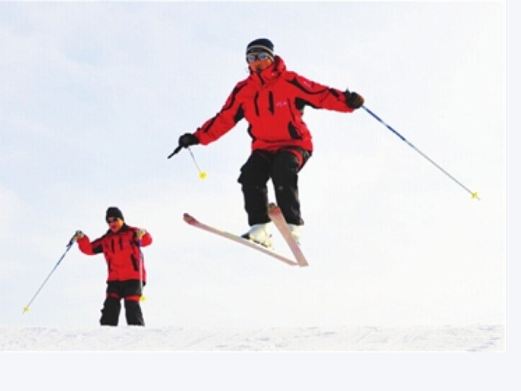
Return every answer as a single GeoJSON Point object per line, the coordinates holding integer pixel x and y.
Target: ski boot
{"type": "Point", "coordinates": [260, 234]}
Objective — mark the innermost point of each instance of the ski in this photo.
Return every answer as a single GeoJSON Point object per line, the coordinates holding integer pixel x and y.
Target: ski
{"type": "Point", "coordinates": [280, 222]}
{"type": "Point", "coordinates": [196, 223]}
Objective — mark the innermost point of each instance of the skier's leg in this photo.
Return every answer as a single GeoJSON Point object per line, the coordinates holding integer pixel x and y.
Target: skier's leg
{"type": "Point", "coordinates": [132, 295]}
{"type": "Point", "coordinates": [286, 165]}
{"type": "Point", "coordinates": [111, 306]}
{"type": "Point", "coordinates": [254, 176]}
{"type": "Point", "coordinates": [133, 312]}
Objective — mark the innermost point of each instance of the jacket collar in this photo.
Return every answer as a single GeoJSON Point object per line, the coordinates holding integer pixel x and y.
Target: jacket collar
{"type": "Point", "coordinates": [271, 73]}
{"type": "Point", "coordinates": [124, 228]}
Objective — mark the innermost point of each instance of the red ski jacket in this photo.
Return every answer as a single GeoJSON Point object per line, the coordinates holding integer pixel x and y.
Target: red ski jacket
{"type": "Point", "coordinates": [272, 101]}
{"type": "Point", "coordinates": [122, 253]}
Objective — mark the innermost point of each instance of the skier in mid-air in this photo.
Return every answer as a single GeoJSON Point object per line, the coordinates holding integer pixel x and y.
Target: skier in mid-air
{"type": "Point", "coordinates": [272, 100]}
{"type": "Point", "coordinates": [121, 246]}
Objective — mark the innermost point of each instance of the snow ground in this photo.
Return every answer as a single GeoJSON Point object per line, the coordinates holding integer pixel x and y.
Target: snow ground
{"type": "Point", "coordinates": [474, 338]}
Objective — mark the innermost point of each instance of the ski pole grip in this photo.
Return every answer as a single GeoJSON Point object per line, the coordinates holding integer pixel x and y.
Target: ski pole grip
{"type": "Point", "coordinates": [73, 239]}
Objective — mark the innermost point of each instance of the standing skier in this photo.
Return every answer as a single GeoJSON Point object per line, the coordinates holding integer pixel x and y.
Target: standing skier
{"type": "Point", "coordinates": [121, 246]}
{"type": "Point", "coordinates": [272, 100]}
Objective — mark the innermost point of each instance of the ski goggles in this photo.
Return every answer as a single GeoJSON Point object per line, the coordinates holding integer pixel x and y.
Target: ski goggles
{"type": "Point", "coordinates": [260, 56]}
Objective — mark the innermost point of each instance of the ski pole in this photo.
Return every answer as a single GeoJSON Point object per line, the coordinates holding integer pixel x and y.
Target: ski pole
{"type": "Point", "coordinates": [474, 194]}
{"type": "Point", "coordinates": [69, 245]}
{"type": "Point", "coordinates": [202, 174]}
{"type": "Point", "coordinates": [141, 261]}
{"type": "Point", "coordinates": [175, 151]}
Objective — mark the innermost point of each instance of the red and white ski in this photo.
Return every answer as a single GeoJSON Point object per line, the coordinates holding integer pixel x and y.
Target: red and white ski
{"type": "Point", "coordinates": [196, 223]}
{"type": "Point", "coordinates": [280, 222]}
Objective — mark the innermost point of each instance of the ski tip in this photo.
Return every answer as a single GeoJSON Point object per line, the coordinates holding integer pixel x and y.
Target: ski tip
{"type": "Point", "coordinates": [273, 208]}
{"type": "Point", "coordinates": [26, 309]}
{"type": "Point", "coordinates": [189, 219]}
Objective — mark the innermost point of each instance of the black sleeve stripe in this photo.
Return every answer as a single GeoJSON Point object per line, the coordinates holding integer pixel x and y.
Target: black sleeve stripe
{"type": "Point", "coordinates": [234, 95]}
{"type": "Point", "coordinates": [301, 103]}
{"type": "Point", "coordinates": [250, 132]}
{"type": "Point", "coordinates": [227, 107]}
{"type": "Point", "coordinates": [334, 93]}
{"type": "Point", "coordinates": [301, 87]}
{"type": "Point", "coordinates": [239, 114]}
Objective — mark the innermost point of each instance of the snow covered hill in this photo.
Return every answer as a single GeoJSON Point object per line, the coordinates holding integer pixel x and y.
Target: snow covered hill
{"type": "Point", "coordinates": [472, 339]}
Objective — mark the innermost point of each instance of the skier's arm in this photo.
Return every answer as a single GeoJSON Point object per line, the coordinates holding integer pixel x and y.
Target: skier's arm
{"type": "Point", "coordinates": [323, 97]}
{"type": "Point", "coordinates": [224, 120]}
{"type": "Point", "coordinates": [89, 248]}
{"type": "Point", "coordinates": [144, 237]}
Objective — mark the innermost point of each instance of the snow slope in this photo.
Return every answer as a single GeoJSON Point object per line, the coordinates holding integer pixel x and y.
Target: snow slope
{"type": "Point", "coordinates": [447, 338]}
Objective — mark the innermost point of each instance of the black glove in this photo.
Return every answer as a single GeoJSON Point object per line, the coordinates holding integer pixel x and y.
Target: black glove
{"type": "Point", "coordinates": [188, 139]}
{"type": "Point", "coordinates": [353, 100]}
{"type": "Point", "coordinates": [185, 141]}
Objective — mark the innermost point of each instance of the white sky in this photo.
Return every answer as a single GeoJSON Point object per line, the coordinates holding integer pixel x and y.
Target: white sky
{"type": "Point", "coordinates": [94, 97]}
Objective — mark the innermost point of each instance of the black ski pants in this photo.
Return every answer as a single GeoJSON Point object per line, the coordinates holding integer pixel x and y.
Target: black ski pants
{"type": "Point", "coordinates": [282, 167]}
{"type": "Point", "coordinates": [130, 291]}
